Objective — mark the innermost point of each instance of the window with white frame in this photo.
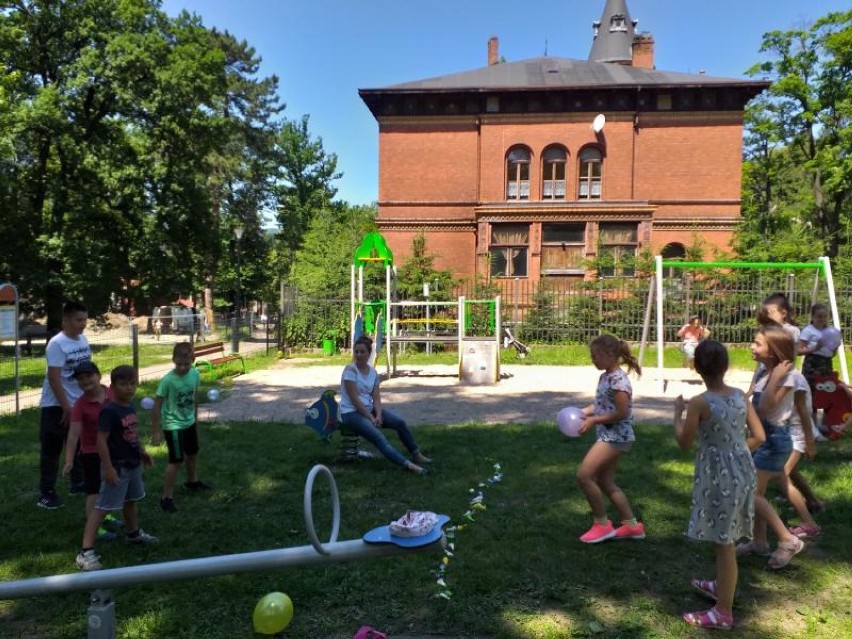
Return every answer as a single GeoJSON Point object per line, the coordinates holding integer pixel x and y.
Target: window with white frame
{"type": "Point", "coordinates": [554, 161]}
{"type": "Point", "coordinates": [618, 244]}
{"type": "Point", "coordinates": [510, 250]}
{"type": "Point", "coordinates": [563, 247]}
{"type": "Point", "coordinates": [591, 170]}
{"type": "Point", "coordinates": [518, 174]}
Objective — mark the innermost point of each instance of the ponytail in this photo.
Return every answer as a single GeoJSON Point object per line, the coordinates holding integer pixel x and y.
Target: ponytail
{"type": "Point", "coordinates": [611, 344]}
{"type": "Point", "coordinates": [628, 358]}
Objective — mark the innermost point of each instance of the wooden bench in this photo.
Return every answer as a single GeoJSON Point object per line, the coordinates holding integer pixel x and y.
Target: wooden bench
{"type": "Point", "coordinates": [202, 356]}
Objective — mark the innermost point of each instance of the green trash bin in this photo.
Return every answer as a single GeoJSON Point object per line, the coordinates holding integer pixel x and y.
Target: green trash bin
{"type": "Point", "coordinates": [328, 347]}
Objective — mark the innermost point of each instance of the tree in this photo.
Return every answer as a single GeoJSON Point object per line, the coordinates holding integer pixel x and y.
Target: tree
{"type": "Point", "coordinates": [305, 187]}
{"type": "Point", "coordinates": [321, 266]}
{"type": "Point", "coordinates": [134, 143]}
{"type": "Point", "coordinates": [419, 269]}
{"type": "Point", "coordinates": [798, 170]}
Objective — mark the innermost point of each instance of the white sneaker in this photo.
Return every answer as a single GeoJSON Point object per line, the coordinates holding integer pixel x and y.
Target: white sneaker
{"type": "Point", "coordinates": [141, 538]}
{"type": "Point", "coordinates": [88, 561]}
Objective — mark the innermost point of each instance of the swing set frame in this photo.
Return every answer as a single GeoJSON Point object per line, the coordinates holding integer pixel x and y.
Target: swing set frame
{"type": "Point", "coordinates": [822, 266]}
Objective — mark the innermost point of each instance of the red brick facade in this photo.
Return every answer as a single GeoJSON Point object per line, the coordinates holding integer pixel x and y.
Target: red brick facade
{"type": "Point", "coordinates": [669, 170]}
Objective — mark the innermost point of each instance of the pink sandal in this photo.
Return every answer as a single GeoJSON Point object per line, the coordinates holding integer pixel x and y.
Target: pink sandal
{"type": "Point", "coordinates": [784, 553]}
{"type": "Point", "coordinates": [710, 619]}
{"type": "Point", "coordinates": [706, 588]}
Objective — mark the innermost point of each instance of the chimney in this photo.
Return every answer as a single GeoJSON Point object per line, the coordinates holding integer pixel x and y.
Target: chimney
{"type": "Point", "coordinates": [493, 51]}
{"type": "Point", "coordinates": [643, 51]}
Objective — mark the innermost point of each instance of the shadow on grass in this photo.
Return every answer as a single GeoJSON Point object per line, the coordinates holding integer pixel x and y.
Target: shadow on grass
{"type": "Point", "coordinates": [519, 570]}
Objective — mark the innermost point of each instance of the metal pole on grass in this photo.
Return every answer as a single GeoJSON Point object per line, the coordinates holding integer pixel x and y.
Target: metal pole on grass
{"type": "Point", "coordinates": [101, 612]}
{"type": "Point", "coordinates": [134, 345]}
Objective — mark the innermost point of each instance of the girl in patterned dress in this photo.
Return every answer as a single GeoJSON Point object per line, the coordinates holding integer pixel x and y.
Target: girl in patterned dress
{"type": "Point", "coordinates": [725, 480]}
{"type": "Point", "coordinates": [612, 417]}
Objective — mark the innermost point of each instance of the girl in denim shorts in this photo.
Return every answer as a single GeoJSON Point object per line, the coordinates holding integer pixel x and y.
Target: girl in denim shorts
{"type": "Point", "coordinates": [774, 399]}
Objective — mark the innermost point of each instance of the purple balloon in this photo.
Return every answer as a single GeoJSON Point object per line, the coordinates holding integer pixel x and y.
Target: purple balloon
{"type": "Point", "coordinates": [569, 421]}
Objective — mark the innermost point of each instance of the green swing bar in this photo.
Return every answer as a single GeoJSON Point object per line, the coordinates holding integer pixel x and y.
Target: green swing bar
{"type": "Point", "coordinates": [823, 264]}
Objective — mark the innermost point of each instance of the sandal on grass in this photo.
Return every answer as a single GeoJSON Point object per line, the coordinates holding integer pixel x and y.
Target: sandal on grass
{"type": "Point", "coordinates": [752, 548]}
{"type": "Point", "coordinates": [706, 588]}
{"type": "Point", "coordinates": [710, 619]}
{"type": "Point", "coordinates": [785, 552]}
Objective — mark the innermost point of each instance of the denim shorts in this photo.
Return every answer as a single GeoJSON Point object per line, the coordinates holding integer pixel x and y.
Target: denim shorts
{"type": "Point", "coordinates": [621, 447]}
{"type": "Point", "coordinates": [772, 454]}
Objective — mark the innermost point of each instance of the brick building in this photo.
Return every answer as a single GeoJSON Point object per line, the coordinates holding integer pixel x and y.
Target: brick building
{"type": "Point", "coordinates": [526, 169]}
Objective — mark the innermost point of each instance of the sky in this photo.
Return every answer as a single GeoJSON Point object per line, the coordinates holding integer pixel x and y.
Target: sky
{"type": "Point", "coordinates": [323, 51]}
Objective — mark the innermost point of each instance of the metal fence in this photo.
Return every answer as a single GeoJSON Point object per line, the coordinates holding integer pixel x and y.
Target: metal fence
{"type": "Point", "coordinates": [575, 311]}
{"type": "Point", "coordinates": [139, 341]}
{"type": "Point", "coordinates": [551, 311]}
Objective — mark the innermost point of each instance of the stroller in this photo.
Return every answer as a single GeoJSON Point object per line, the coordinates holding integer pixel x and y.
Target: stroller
{"type": "Point", "coordinates": [509, 340]}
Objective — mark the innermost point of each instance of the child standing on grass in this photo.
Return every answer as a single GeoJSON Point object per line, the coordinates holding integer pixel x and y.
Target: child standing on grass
{"type": "Point", "coordinates": [725, 479]}
{"type": "Point", "coordinates": [176, 412]}
{"type": "Point", "coordinates": [774, 400]}
{"type": "Point", "coordinates": [60, 390]}
{"type": "Point", "coordinates": [84, 431]}
{"type": "Point", "coordinates": [122, 455]}
{"type": "Point", "coordinates": [612, 417]}
{"type": "Point", "coordinates": [799, 492]}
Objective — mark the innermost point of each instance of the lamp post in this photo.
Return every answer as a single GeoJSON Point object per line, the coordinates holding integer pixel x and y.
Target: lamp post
{"type": "Point", "coordinates": [235, 333]}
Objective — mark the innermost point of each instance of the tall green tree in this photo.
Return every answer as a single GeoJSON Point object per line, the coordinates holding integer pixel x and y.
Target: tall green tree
{"type": "Point", "coordinates": [321, 266]}
{"type": "Point", "coordinates": [798, 169]}
{"type": "Point", "coordinates": [419, 269]}
{"type": "Point", "coordinates": [305, 187]}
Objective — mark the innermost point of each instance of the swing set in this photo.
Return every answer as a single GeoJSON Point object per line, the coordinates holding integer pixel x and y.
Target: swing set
{"type": "Point", "coordinates": [689, 295]}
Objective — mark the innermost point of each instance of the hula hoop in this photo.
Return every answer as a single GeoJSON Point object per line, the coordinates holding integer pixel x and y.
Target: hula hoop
{"type": "Point", "coordinates": [309, 515]}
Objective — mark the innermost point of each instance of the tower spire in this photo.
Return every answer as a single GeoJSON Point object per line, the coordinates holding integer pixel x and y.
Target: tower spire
{"type": "Point", "coordinates": [613, 40]}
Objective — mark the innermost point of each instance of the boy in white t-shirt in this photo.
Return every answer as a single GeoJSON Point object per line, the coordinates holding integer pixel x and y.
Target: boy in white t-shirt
{"type": "Point", "coordinates": [60, 390]}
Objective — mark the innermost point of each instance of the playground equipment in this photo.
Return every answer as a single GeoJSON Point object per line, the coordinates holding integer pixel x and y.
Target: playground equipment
{"type": "Point", "coordinates": [474, 326]}
{"type": "Point", "coordinates": [101, 611]}
{"type": "Point", "coordinates": [718, 296]}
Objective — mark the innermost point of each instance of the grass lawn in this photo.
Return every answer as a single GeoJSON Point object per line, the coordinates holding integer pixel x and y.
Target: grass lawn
{"type": "Point", "coordinates": [518, 572]}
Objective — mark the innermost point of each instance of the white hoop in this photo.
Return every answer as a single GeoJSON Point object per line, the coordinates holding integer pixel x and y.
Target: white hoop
{"type": "Point", "coordinates": [309, 515]}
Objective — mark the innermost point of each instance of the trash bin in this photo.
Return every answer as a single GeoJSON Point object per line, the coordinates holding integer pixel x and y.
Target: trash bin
{"type": "Point", "coordinates": [479, 364]}
{"type": "Point", "coordinates": [328, 347]}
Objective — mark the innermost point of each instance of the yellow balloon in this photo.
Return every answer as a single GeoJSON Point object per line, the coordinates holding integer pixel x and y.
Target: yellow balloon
{"type": "Point", "coordinates": [272, 613]}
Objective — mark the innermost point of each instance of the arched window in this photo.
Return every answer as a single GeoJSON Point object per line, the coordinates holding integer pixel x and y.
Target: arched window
{"type": "Point", "coordinates": [673, 251]}
{"type": "Point", "coordinates": [554, 159]}
{"type": "Point", "coordinates": [591, 170]}
{"type": "Point", "coordinates": [518, 174]}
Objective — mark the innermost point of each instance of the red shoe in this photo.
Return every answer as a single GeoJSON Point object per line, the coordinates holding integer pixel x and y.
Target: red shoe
{"type": "Point", "coordinates": [630, 532]}
{"type": "Point", "coordinates": [598, 533]}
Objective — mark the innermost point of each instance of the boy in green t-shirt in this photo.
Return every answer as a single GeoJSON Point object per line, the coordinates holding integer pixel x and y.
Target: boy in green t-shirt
{"type": "Point", "coordinates": [175, 413]}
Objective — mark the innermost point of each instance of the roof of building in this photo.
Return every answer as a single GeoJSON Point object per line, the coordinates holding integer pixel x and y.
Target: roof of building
{"type": "Point", "coordinates": [560, 73]}
{"type": "Point", "coordinates": [613, 41]}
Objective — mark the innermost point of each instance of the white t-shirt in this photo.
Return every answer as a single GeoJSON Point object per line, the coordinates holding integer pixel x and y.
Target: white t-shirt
{"type": "Point", "coordinates": [66, 353]}
{"type": "Point", "coordinates": [782, 413]}
{"type": "Point", "coordinates": [830, 337]}
{"type": "Point", "coordinates": [799, 384]}
{"type": "Point", "coordinates": [365, 383]}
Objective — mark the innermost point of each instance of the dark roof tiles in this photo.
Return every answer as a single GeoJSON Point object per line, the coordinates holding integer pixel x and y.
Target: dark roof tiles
{"type": "Point", "coordinates": [558, 73]}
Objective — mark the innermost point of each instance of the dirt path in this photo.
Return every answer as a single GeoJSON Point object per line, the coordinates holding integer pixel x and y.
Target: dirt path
{"type": "Point", "coordinates": [433, 395]}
